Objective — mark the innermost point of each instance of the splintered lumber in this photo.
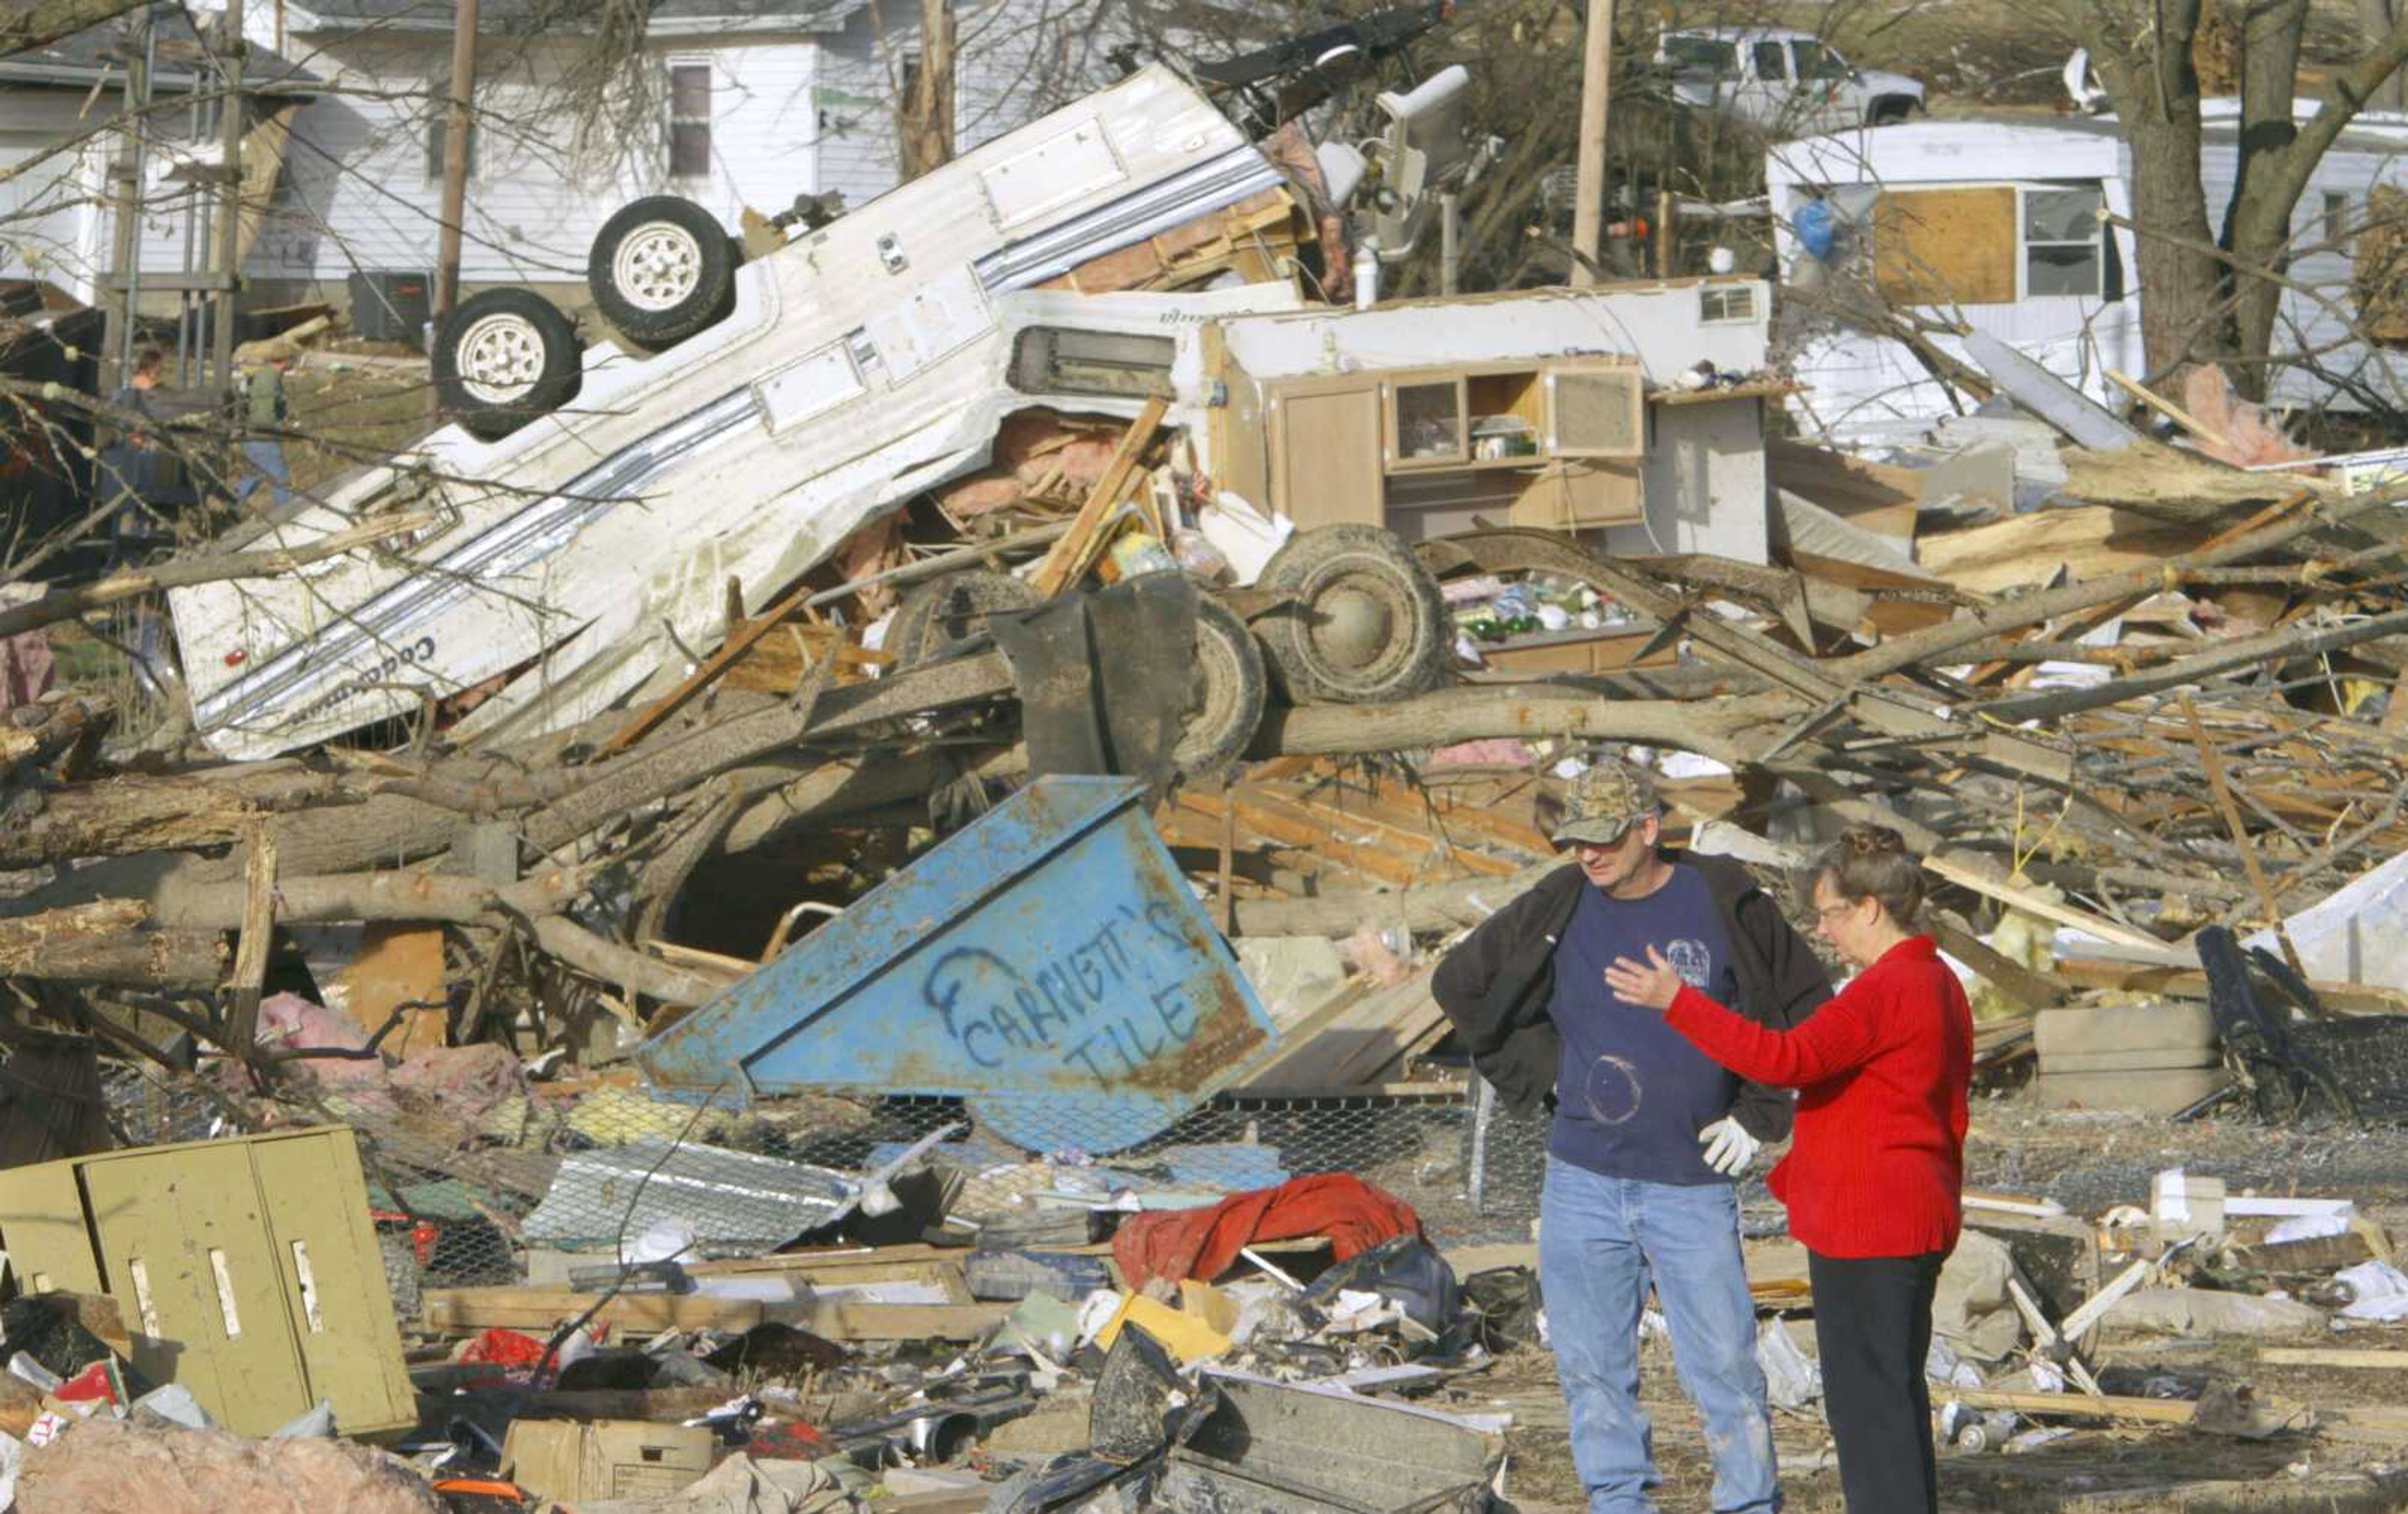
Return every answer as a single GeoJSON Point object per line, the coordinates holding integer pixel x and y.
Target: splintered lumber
{"type": "Point", "coordinates": [2031, 902]}
{"type": "Point", "coordinates": [1070, 556]}
{"type": "Point", "coordinates": [252, 946]}
{"type": "Point", "coordinates": [731, 651]}
{"type": "Point", "coordinates": [534, 1309]}
{"type": "Point", "coordinates": [2080, 1405]}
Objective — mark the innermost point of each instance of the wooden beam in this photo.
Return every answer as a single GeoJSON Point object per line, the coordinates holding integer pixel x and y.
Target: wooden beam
{"type": "Point", "coordinates": [2031, 902]}
{"type": "Point", "coordinates": [251, 950]}
{"type": "Point", "coordinates": [2223, 792]}
{"type": "Point", "coordinates": [1070, 555]}
{"type": "Point", "coordinates": [742, 639]}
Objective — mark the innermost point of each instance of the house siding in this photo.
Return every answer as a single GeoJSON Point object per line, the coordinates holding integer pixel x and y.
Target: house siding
{"type": "Point", "coordinates": [49, 227]}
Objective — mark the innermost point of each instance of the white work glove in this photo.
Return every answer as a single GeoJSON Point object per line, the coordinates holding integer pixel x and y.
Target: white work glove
{"type": "Point", "coordinates": [1728, 1147]}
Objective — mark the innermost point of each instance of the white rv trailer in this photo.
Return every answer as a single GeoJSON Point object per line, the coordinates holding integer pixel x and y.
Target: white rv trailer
{"type": "Point", "coordinates": [858, 366]}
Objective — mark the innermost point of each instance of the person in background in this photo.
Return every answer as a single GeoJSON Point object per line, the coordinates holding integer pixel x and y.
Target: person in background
{"type": "Point", "coordinates": [1875, 1178]}
{"type": "Point", "coordinates": [264, 411]}
{"type": "Point", "coordinates": [1647, 1134]}
{"type": "Point", "coordinates": [136, 470]}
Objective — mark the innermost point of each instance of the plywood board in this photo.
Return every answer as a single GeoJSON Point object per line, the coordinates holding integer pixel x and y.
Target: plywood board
{"type": "Point", "coordinates": [399, 964]}
{"type": "Point", "coordinates": [1946, 246]}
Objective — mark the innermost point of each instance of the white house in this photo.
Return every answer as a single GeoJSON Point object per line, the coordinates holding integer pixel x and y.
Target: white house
{"type": "Point", "coordinates": [60, 109]}
{"type": "Point", "coordinates": [739, 103]}
{"type": "Point", "coordinates": [1998, 222]}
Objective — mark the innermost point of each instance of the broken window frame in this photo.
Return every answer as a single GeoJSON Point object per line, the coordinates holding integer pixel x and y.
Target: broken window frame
{"type": "Point", "coordinates": [2027, 245]}
{"type": "Point", "coordinates": [1726, 304]}
{"type": "Point", "coordinates": [1039, 355]}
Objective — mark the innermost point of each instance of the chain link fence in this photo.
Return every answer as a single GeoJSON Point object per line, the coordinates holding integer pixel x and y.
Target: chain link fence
{"type": "Point", "coordinates": [516, 1182]}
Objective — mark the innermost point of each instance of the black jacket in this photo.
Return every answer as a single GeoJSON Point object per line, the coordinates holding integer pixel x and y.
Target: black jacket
{"type": "Point", "coordinates": [1495, 986]}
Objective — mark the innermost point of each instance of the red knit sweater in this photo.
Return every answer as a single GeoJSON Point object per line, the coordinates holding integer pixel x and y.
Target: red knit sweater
{"type": "Point", "coordinates": [1877, 1165]}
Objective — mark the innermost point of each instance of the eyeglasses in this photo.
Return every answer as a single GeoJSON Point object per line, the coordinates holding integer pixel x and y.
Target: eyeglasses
{"type": "Point", "coordinates": [1832, 912]}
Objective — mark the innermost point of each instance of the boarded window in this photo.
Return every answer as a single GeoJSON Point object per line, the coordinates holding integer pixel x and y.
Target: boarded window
{"type": "Point", "coordinates": [2061, 242]}
{"type": "Point", "coordinates": [1945, 246]}
{"type": "Point", "coordinates": [690, 121]}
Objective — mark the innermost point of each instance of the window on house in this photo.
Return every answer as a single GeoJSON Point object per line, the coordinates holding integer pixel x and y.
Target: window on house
{"type": "Point", "coordinates": [1727, 302]}
{"type": "Point", "coordinates": [439, 125]}
{"type": "Point", "coordinates": [2336, 221]}
{"type": "Point", "coordinates": [1771, 60]}
{"type": "Point", "coordinates": [690, 121]}
{"type": "Point", "coordinates": [2061, 234]}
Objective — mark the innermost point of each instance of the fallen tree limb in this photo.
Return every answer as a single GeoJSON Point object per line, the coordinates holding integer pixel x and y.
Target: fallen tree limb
{"type": "Point", "coordinates": [2296, 641]}
{"type": "Point", "coordinates": [102, 943]}
{"type": "Point", "coordinates": [1463, 714]}
{"type": "Point", "coordinates": [183, 572]}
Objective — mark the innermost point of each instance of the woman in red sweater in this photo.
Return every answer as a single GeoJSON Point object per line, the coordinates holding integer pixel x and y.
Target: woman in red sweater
{"type": "Point", "coordinates": [1876, 1166]}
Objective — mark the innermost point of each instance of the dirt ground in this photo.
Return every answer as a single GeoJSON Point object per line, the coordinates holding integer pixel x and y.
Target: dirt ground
{"type": "Point", "coordinates": [2088, 1161]}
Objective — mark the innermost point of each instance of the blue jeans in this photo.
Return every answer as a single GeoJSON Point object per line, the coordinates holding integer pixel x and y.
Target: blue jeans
{"type": "Point", "coordinates": [1600, 1239]}
{"type": "Point", "coordinates": [266, 459]}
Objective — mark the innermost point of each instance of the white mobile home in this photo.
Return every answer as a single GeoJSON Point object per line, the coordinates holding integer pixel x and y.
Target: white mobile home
{"type": "Point", "coordinates": [2000, 223]}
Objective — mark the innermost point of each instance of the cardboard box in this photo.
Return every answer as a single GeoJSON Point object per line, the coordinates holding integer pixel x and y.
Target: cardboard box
{"type": "Point", "coordinates": [567, 1462]}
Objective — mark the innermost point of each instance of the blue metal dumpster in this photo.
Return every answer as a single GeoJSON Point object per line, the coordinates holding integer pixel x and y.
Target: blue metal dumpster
{"type": "Point", "coordinates": [1047, 964]}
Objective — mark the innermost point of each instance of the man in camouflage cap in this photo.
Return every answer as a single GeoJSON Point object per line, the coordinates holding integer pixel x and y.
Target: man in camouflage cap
{"type": "Point", "coordinates": [1647, 1133]}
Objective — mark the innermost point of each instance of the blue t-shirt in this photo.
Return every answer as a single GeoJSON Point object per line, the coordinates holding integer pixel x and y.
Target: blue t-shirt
{"type": "Point", "coordinates": [1631, 1093]}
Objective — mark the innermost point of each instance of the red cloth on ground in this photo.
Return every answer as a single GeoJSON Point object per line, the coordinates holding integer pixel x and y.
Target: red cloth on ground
{"type": "Point", "coordinates": [1201, 1242]}
{"type": "Point", "coordinates": [1877, 1167]}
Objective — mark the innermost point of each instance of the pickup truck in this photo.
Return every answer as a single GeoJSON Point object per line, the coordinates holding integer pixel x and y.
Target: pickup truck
{"type": "Point", "coordinates": [1781, 81]}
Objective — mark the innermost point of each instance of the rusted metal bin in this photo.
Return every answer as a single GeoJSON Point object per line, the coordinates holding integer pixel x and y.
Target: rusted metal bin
{"type": "Point", "coordinates": [1049, 964]}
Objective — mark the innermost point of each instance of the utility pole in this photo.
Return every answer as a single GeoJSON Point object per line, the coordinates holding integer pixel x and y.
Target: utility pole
{"type": "Point", "coordinates": [230, 114]}
{"type": "Point", "coordinates": [455, 157]}
{"type": "Point", "coordinates": [125, 224]}
{"type": "Point", "coordinates": [1588, 199]}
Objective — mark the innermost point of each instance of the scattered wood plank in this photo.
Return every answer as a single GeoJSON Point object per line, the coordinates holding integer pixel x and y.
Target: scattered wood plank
{"type": "Point", "coordinates": [1077, 548]}
{"type": "Point", "coordinates": [2373, 1358]}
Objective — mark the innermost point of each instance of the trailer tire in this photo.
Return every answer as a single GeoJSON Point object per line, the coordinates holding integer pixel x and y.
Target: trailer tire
{"type": "Point", "coordinates": [662, 268]}
{"type": "Point", "coordinates": [1226, 703]}
{"type": "Point", "coordinates": [503, 358]}
{"type": "Point", "coordinates": [937, 615]}
{"type": "Point", "coordinates": [1365, 624]}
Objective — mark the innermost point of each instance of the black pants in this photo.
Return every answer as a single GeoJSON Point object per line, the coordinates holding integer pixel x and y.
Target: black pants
{"type": "Point", "coordinates": [1873, 1325]}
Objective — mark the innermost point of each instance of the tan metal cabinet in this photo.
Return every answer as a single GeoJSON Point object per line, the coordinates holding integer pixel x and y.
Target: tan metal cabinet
{"type": "Point", "coordinates": [247, 1269]}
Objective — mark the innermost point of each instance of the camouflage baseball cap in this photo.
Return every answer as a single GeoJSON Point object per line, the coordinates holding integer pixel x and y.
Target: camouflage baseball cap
{"type": "Point", "coordinates": [1603, 802]}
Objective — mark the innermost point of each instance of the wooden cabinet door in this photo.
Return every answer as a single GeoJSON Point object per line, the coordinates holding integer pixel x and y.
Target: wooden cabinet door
{"type": "Point", "coordinates": [1325, 464]}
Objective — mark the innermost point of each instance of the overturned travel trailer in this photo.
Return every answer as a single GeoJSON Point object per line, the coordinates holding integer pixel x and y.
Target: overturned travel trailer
{"type": "Point", "coordinates": [580, 525]}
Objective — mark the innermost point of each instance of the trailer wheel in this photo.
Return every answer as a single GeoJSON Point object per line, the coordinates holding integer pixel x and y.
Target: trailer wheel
{"type": "Point", "coordinates": [1367, 623]}
{"type": "Point", "coordinates": [662, 268]}
{"type": "Point", "coordinates": [1226, 704]}
{"type": "Point", "coordinates": [942, 612]}
{"type": "Point", "coordinates": [503, 358]}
